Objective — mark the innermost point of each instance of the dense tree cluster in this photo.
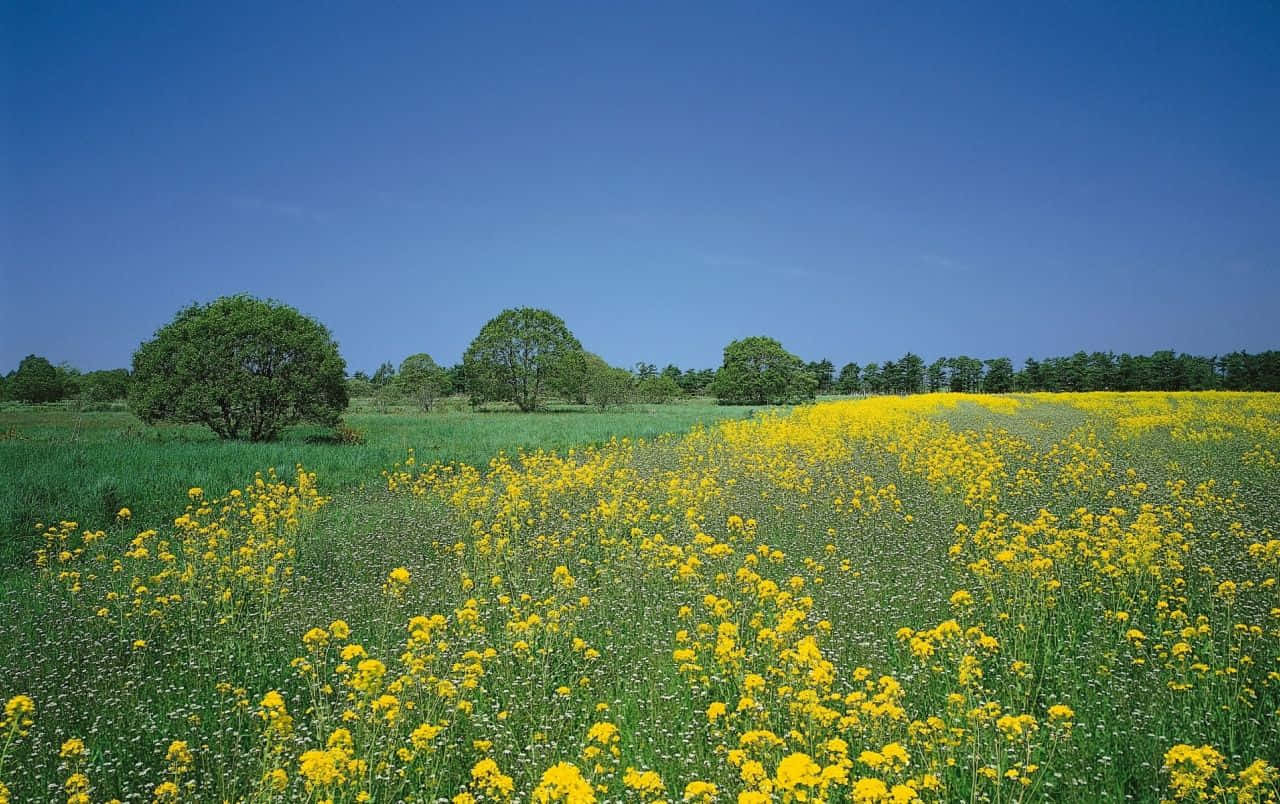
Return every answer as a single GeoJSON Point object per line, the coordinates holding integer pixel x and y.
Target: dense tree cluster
{"type": "Point", "coordinates": [1097, 371]}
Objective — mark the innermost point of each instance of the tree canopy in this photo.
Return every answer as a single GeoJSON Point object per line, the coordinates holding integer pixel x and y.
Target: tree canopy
{"type": "Point", "coordinates": [517, 356]}
{"type": "Point", "coordinates": [758, 371]}
{"type": "Point", "coordinates": [244, 367]}
{"type": "Point", "coordinates": [36, 380]}
{"type": "Point", "coordinates": [422, 380]}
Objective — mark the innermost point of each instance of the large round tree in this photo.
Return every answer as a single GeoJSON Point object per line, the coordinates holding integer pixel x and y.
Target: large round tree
{"type": "Point", "coordinates": [36, 380]}
{"type": "Point", "coordinates": [517, 356]}
{"type": "Point", "coordinates": [758, 371]}
{"type": "Point", "coordinates": [244, 367]}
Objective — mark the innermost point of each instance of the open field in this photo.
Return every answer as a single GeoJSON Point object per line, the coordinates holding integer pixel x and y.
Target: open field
{"type": "Point", "coordinates": [59, 463]}
{"type": "Point", "coordinates": [936, 597]}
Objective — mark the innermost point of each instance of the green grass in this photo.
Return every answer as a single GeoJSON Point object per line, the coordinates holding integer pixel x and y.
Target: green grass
{"type": "Point", "coordinates": [60, 463]}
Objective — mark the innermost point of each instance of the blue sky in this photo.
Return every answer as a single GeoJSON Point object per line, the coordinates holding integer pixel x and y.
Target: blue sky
{"type": "Point", "coordinates": [856, 180]}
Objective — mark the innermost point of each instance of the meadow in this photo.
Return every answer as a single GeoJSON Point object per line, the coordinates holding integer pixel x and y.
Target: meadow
{"type": "Point", "coordinates": [62, 462]}
{"type": "Point", "coordinates": [936, 598]}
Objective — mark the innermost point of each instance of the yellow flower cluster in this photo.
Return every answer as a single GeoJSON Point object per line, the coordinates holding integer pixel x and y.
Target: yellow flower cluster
{"type": "Point", "coordinates": [887, 600]}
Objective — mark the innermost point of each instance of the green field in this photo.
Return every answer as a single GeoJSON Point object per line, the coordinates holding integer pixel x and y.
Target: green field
{"type": "Point", "coordinates": [59, 463]}
{"type": "Point", "coordinates": [931, 598]}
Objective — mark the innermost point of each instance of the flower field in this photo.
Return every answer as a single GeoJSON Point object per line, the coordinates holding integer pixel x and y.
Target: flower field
{"type": "Point", "coordinates": [936, 598]}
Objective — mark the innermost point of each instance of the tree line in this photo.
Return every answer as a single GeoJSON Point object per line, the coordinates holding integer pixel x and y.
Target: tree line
{"type": "Point", "coordinates": [247, 368]}
{"type": "Point", "coordinates": [1082, 371]}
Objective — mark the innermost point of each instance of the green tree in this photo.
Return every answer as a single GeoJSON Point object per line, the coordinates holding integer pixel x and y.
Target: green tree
{"type": "Point", "coordinates": [758, 371]}
{"type": "Point", "coordinates": [36, 380]}
{"type": "Point", "coordinates": [105, 386]}
{"type": "Point", "coordinates": [823, 372]}
{"type": "Point", "coordinates": [999, 376]}
{"type": "Point", "coordinates": [890, 377]}
{"type": "Point", "coordinates": [658, 390]}
{"type": "Point", "coordinates": [696, 381]}
{"type": "Point", "coordinates": [966, 374]}
{"type": "Point", "coordinates": [607, 386]}
{"type": "Point", "coordinates": [422, 380]}
{"type": "Point", "coordinates": [385, 375]}
{"type": "Point", "coordinates": [850, 381]}
{"type": "Point", "coordinates": [572, 376]}
{"type": "Point", "coordinates": [244, 367]}
{"type": "Point", "coordinates": [359, 386]}
{"type": "Point", "coordinates": [910, 374]}
{"type": "Point", "coordinates": [517, 355]}
{"type": "Point", "coordinates": [871, 379]}
{"type": "Point", "coordinates": [935, 377]}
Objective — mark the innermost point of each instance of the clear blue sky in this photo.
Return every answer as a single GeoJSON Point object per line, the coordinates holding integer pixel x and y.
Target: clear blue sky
{"type": "Point", "coordinates": [855, 179]}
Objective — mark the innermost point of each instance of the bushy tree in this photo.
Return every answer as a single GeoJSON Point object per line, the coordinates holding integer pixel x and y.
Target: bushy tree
{"type": "Point", "coordinates": [385, 375]}
{"type": "Point", "coordinates": [517, 355]}
{"type": "Point", "coordinates": [244, 367]}
{"type": "Point", "coordinates": [758, 371]}
{"type": "Point", "coordinates": [572, 377]}
{"type": "Point", "coordinates": [999, 376]}
{"type": "Point", "coordinates": [872, 380]}
{"type": "Point", "coordinates": [935, 377]}
{"type": "Point", "coordinates": [823, 372]}
{"type": "Point", "coordinates": [658, 390]}
{"type": "Point", "coordinates": [850, 380]}
{"type": "Point", "coordinates": [696, 381]}
{"type": "Point", "coordinates": [36, 380]}
{"type": "Point", "coordinates": [105, 386]}
{"type": "Point", "coordinates": [910, 374]}
{"type": "Point", "coordinates": [422, 380]}
{"type": "Point", "coordinates": [608, 386]}
{"type": "Point", "coordinates": [359, 386]}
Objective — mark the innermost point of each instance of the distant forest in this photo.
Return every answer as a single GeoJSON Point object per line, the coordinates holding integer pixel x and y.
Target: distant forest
{"type": "Point", "coordinates": [38, 380]}
{"type": "Point", "coordinates": [1082, 371]}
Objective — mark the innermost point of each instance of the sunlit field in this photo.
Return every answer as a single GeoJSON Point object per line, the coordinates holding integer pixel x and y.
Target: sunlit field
{"type": "Point", "coordinates": [937, 598]}
{"type": "Point", "coordinates": [62, 462]}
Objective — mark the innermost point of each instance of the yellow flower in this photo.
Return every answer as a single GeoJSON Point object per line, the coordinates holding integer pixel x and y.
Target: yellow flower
{"type": "Point", "coordinates": [167, 792]}
{"type": "Point", "coordinates": [277, 779]}
{"type": "Point", "coordinates": [1061, 712]}
{"type": "Point", "coordinates": [486, 775]}
{"type": "Point", "coordinates": [564, 782]}
{"type": "Point", "coordinates": [72, 749]}
{"type": "Point", "coordinates": [179, 757]}
{"type": "Point", "coordinates": [870, 790]}
{"type": "Point", "coordinates": [646, 782]}
{"type": "Point", "coordinates": [700, 791]}
{"type": "Point", "coordinates": [1190, 769]}
{"type": "Point", "coordinates": [798, 769]}
{"type": "Point", "coordinates": [423, 735]}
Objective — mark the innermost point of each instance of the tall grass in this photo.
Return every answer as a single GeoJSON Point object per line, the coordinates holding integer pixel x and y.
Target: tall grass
{"type": "Point", "coordinates": [61, 463]}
